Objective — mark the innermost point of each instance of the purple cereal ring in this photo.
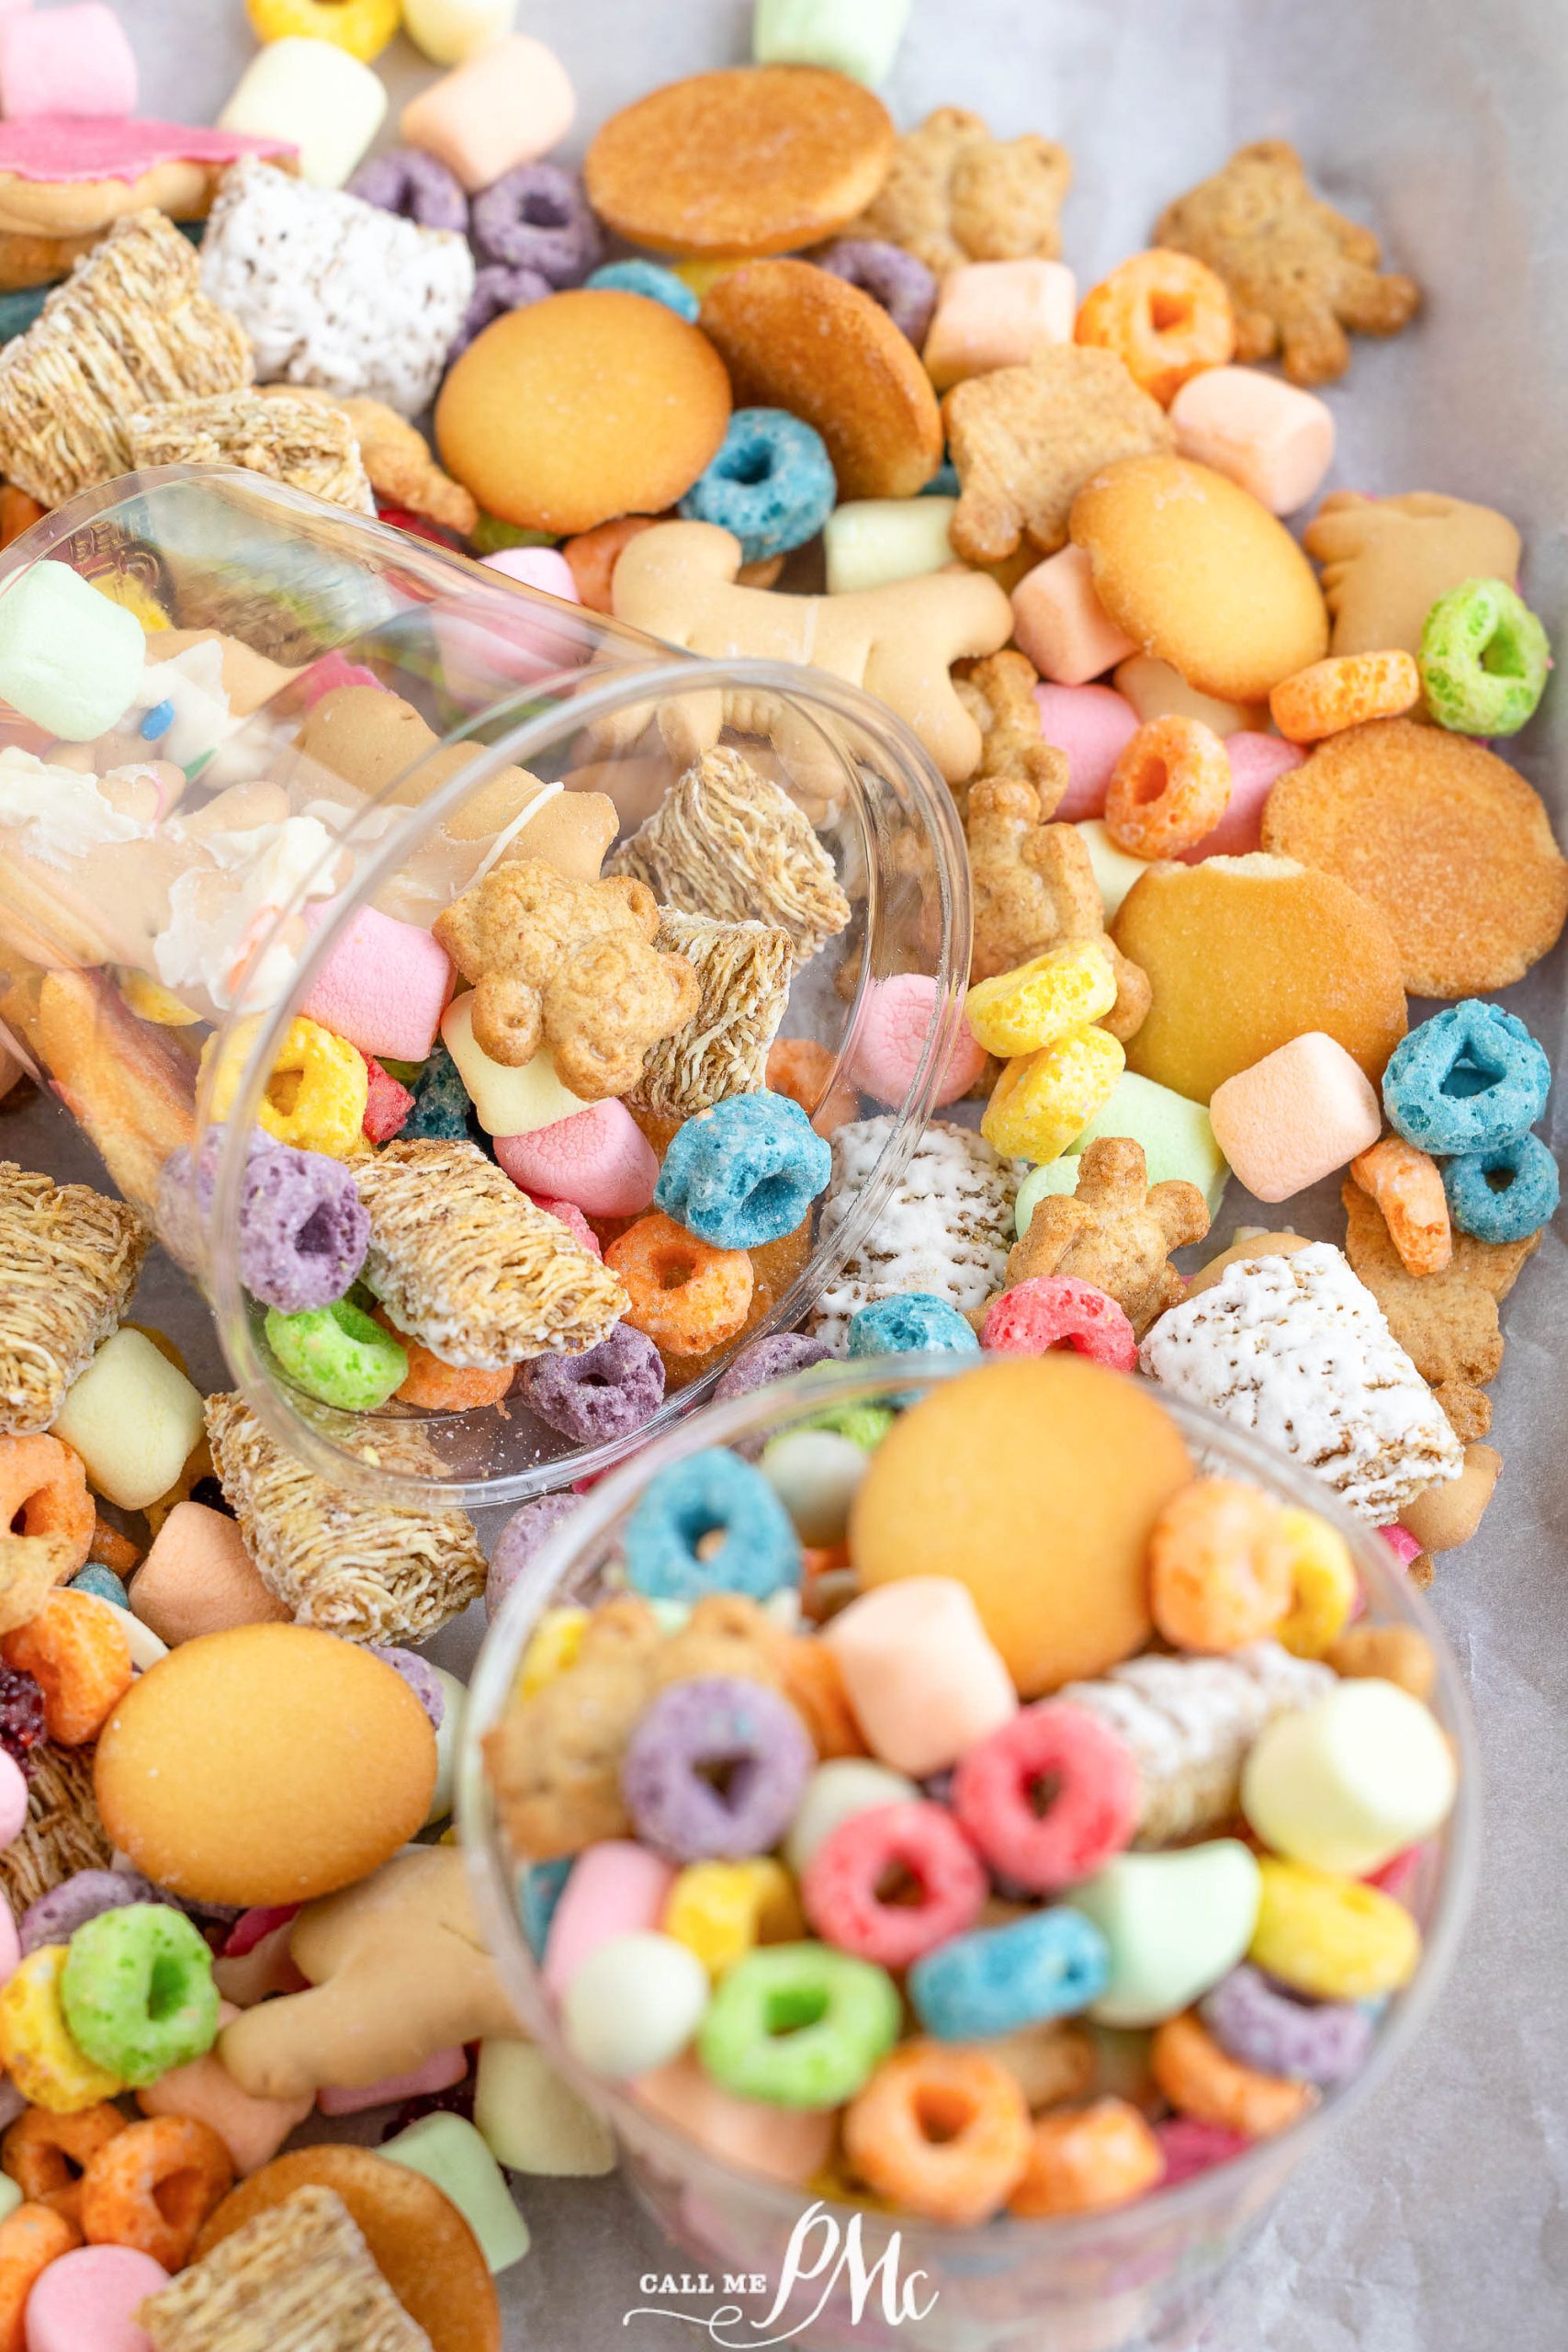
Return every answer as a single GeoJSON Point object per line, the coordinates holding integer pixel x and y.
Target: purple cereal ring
{"type": "Point", "coordinates": [414, 185]}
{"type": "Point", "coordinates": [518, 1540]}
{"type": "Point", "coordinates": [55, 1917]}
{"type": "Point", "coordinates": [905, 286]}
{"type": "Point", "coordinates": [1261, 2025]}
{"type": "Point", "coordinates": [497, 291]}
{"type": "Point", "coordinates": [537, 218]}
{"type": "Point", "coordinates": [605, 1393]}
{"type": "Point", "coordinates": [303, 1229]}
{"type": "Point", "coordinates": [715, 1769]}
{"type": "Point", "coordinates": [774, 1358]}
{"type": "Point", "coordinates": [424, 1684]}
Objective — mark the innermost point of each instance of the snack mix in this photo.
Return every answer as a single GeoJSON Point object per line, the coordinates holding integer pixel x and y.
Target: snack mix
{"type": "Point", "coordinates": [876, 1829]}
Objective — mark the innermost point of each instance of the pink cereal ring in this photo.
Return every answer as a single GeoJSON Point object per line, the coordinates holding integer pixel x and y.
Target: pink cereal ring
{"type": "Point", "coordinates": [566, 1213]}
{"type": "Point", "coordinates": [896, 1020]}
{"type": "Point", "coordinates": [1091, 1810]}
{"type": "Point", "coordinates": [1057, 1310]}
{"type": "Point", "coordinates": [1402, 1543]}
{"type": "Point", "coordinates": [1191, 2147]}
{"type": "Point", "coordinates": [841, 1888]}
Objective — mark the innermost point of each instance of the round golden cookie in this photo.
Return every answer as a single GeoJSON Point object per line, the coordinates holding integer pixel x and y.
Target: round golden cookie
{"type": "Point", "coordinates": [796, 337]}
{"type": "Point", "coordinates": [582, 407]}
{"type": "Point", "coordinates": [1243, 954]}
{"type": "Point", "coordinates": [1446, 840]}
{"type": "Point", "coordinates": [417, 2238]}
{"type": "Point", "coordinates": [1034, 1481]}
{"type": "Point", "coordinates": [753, 160]}
{"type": "Point", "coordinates": [266, 1764]}
{"type": "Point", "coordinates": [1192, 568]}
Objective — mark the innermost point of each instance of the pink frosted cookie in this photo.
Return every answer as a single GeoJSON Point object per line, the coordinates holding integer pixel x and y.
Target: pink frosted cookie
{"type": "Point", "coordinates": [885, 1052]}
{"type": "Point", "coordinates": [571, 1217]}
{"type": "Point", "coordinates": [1093, 726]}
{"type": "Point", "coordinates": [544, 568]}
{"type": "Point", "coordinates": [1258, 762]}
{"type": "Point", "coordinates": [89, 2298]}
{"type": "Point", "coordinates": [436, 2072]}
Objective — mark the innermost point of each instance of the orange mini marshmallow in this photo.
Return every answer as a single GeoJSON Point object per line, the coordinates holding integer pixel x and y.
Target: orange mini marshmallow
{"type": "Point", "coordinates": [198, 1578]}
{"type": "Point", "coordinates": [1300, 1113]}
{"type": "Point", "coordinates": [252, 2130]}
{"type": "Point", "coordinates": [922, 1673]}
{"type": "Point", "coordinates": [509, 103]}
{"type": "Point", "coordinates": [1272, 437]}
{"type": "Point", "coordinates": [783, 2144]}
{"type": "Point", "coordinates": [1061, 624]}
{"type": "Point", "coordinates": [998, 314]}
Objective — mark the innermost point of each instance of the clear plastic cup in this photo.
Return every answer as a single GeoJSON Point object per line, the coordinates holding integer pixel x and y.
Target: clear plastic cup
{"type": "Point", "coordinates": [134, 936]}
{"type": "Point", "coordinates": [1142, 2277]}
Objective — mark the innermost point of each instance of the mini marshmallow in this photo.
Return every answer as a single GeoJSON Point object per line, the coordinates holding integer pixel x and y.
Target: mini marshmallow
{"type": "Point", "coordinates": [198, 1578]}
{"type": "Point", "coordinates": [316, 96]}
{"type": "Point", "coordinates": [1299, 1113]}
{"type": "Point", "coordinates": [1274, 440]}
{"type": "Point", "coordinates": [1114, 870]}
{"type": "Point", "coordinates": [599, 1161]}
{"type": "Point", "coordinates": [923, 1678]}
{"type": "Point", "coordinates": [436, 2072]}
{"type": "Point", "coordinates": [994, 314]}
{"type": "Point", "coordinates": [532, 2120]}
{"type": "Point", "coordinates": [1258, 762]}
{"type": "Point", "coordinates": [507, 106]}
{"type": "Point", "coordinates": [448, 2151]}
{"type": "Point", "coordinates": [384, 987]}
{"type": "Point", "coordinates": [450, 30]}
{"type": "Point", "coordinates": [134, 1417]}
{"type": "Point", "coordinates": [1346, 1783]}
{"type": "Point", "coordinates": [859, 38]}
{"type": "Point", "coordinates": [73, 60]}
{"type": "Point", "coordinates": [543, 568]}
{"type": "Point", "coordinates": [1061, 624]}
{"type": "Point", "coordinates": [506, 1102]}
{"type": "Point", "coordinates": [1093, 726]}
{"type": "Point", "coordinates": [1156, 691]}
{"type": "Point", "coordinates": [70, 660]}
{"type": "Point", "coordinates": [894, 1024]}
{"type": "Point", "coordinates": [252, 2130]}
{"type": "Point", "coordinates": [783, 2144]}
{"type": "Point", "coordinates": [1176, 1136]}
{"type": "Point", "coordinates": [869, 541]}
{"type": "Point", "coordinates": [617, 1888]}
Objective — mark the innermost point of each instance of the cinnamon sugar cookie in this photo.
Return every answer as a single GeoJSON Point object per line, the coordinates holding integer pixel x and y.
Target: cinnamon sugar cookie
{"type": "Point", "coordinates": [954, 194]}
{"type": "Point", "coordinates": [1443, 837]}
{"type": "Point", "coordinates": [1025, 440]}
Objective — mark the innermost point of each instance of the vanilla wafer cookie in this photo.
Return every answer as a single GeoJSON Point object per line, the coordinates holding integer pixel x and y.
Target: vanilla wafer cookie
{"type": "Point", "coordinates": [945, 1228]}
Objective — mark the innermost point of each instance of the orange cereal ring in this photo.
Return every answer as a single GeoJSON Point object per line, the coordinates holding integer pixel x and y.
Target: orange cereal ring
{"type": "Point", "coordinates": [1409, 1187]}
{"type": "Point", "coordinates": [684, 1294]}
{"type": "Point", "coordinates": [1220, 1571]}
{"type": "Point", "coordinates": [75, 1652]}
{"type": "Point", "coordinates": [443, 1387]}
{"type": "Point", "coordinates": [940, 2131]}
{"type": "Point", "coordinates": [1201, 2081]}
{"type": "Point", "coordinates": [1086, 2159]}
{"type": "Point", "coordinates": [1345, 690]}
{"type": "Point", "coordinates": [1170, 786]}
{"type": "Point", "coordinates": [803, 1069]}
{"type": "Point", "coordinates": [46, 2154]}
{"type": "Point", "coordinates": [30, 2239]}
{"type": "Point", "coordinates": [592, 556]}
{"type": "Point", "coordinates": [43, 1491]}
{"type": "Point", "coordinates": [152, 2187]}
{"type": "Point", "coordinates": [111, 1549]}
{"type": "Point", "coordinates": [814, 1685]}
{"type": "Point", "coordinates": [1166, 315]}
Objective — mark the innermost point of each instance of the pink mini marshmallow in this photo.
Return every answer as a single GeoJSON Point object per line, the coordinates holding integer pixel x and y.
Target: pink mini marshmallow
{"type": "Point", "coordinates": [571, 1217]}
{"type": "Point", "coordinates": [617, 1888]}
{"type": "Point", "coordinates": [252, 2130]}
{"type": "Point", "coordinates": [1401, 1543]}
{"type": "Point", "coordinates": [599, 1158]}
{"type": "Point", "coordinates": [509, 103]}
{"type": "Point", "coordinates": [1274, 440]}
{"type": "Point", "coordinates": [1295, 1116]}
{"type": "Point", "coordinates": [1061, 624]}
{"type": "Point", "coordinates": [86, 2300]}
{"type": "Point", "coordinates": [542, 568]}
{"type": "Point", "coordinates": [896, 1020]}
{"type": "Point", "coordinates": [1258, 762]}
{"type": "Point", "coordinates": [781, 2143]}
{"type": "Point", "coordinates": [998, 314]}
{"type": "Point", "coordinates": [10, 1944]}
{"type": "Point", "coordinates": [384, 987]}
{"type": "Point", "coordinates": [73, 60]}
{"type": "Point", "coordinates": [13, 1798]}
{"type": "Point", "coordinates": [1093, 726]}
{"type": "Point", "coordinates": [333, 669]}
{"type": "Point", "coordinates": [922, 1675]}
{"type": "Point", "coordinates": [438, 2073]}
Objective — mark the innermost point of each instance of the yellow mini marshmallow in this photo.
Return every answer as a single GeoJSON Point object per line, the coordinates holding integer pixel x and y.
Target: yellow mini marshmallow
{"type": "Point", "coordinates": [1039, 1001]}
{"type": "Point", "coordinates": [362, 26]}
{"type": "Point", "coordinates": [1045, 1099]}
{"type": "Point", "coordinates": [552, 1648]}
{"type": "Point", "coordinates": [506, 1102]}
{"type": "Point", "coordinates": [1331, 1937]}
{"type": "Point", "coordinates": [1351, 1780]}
{"type": "Point", "coordinates": [134, 1417]}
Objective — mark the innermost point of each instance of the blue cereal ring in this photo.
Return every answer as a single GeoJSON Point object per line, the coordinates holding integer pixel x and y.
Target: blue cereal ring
{"type": "Point", "coordinates": [539, 1889]}
{"type": "Point", "coordinates": [713, 1493]}
{"type": "Point", "coordinates": [772, 483]}
{"type": "Point", "coordinates": [1470, 1080]}
{"type": "Point", "coordinates": [95, 1578]}
{"type": "Point", "coordinates": [441, 1105]}
{"type": "Point", "coordinates": [1051, 1964]}
{"type": "Point", "coordinates": [910, 1322]}
{"type": "Point", "coordinates": [745, 1172]}
{"type": "Point", "coordinates": [1483, 659]}
{"type": "Point", "coordinates": [1507, 1211]}
{"type": "Point", "coordinates": [645, 277]}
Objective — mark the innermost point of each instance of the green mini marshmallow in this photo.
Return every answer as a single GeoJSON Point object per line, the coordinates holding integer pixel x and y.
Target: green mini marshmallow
{"type": "Point", "coordinates": [70, 658]}
{"type": "Point", "coordinates": [1176, 1924]}
{"type": "Point", "coordinates": [859, 38]}
{"type": "Point", "coordinates": [1176, 1134]}
{"type": "Point", "coordinates": [1113, 870]}
{"type": "Point", "coordinates": [448, 2151]}
{"type": "Point", "coordinates": [532, 2120]}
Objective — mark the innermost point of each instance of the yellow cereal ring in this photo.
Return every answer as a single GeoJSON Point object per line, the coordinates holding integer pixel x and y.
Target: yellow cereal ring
{"type": "Point", "coordinates": [362, 26]}
{"type": "Point", "coordinates": [315, 1098]}
{"type": "Point", "coordinates": [1331, 1937]}
{"type": "Point", "coordinates": [552, 1648]}
{"type": "Point", "coordinates": [723, 1910]}
{"type": "Point", "coordinates": [1021, 1011]}
{"type": "Point", "coordinates": [39, 2055]}
{"type": "Point", "coordinates": [1043, 1101]}
{"type": "Point", "coordinates": [1323, 1585]}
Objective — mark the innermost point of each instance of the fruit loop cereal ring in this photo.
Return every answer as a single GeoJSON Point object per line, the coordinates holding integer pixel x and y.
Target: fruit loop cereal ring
{"type": "Point", "coordinates": [772, 483]}
{"type": "Point", "coordinates": [910, 1322]}
{"type": "Point", "coordinates": [316, 1096]}
{"type": "Point", "coordinates": [716, 1724]}
{"type": "Point", "coordinates": [667, 1546]}
{"type": "Point", "coordinates": [537, 218]}
{"type": "Point", "coordinates": [553, 1645]}
{"type": "Point", "coordinates": [1043, 1101]}
{"type": "Point", "coordinates": [745, 1172]}
{"type": "Point", "coordinates": [1170, 786]}
{"type": "Point", "coordinates": [75, 1652]}
{"type": "Point", "coordinates": [1408, 1186]}
{"type": "Point", "coordinates": [1058, 1310]}
{"type": "Point", "coordinates": [43, 1492]}
{"type": "Point", "coordinates": [657, 284]}
{"type": "Point", "coordinates": [1085, 2160]}
{"type": "Point", "coordinates": [605, 1393]}
{"type": "Point", "coordinates": [723, 1910]}
{"type": "Point", "coordinates": [898, 281]}
{"type": "Point", "coordinates": [1470, 1079]}
{"type": "Point", "coordinates": [1325, 1586]}
{"type": "Point", "coordinates": [1258, 2026]}
{"type": "Point", "coordinates": [337, 1354]}
{"type": "Point", "coordinates": [1510, 1210]}
{"type": "Point", "coordinates": [1484, 657]}
{"type": "Point", "coordinates": [687, 1296]}
{"type": "Point", "coordinates": [799, 2025]}
{"type": "Point", "coordinates": [153, 2187]}
{"type": "Point", "coordinates": [41, 2057]}
{"type": "Point", "coordinates": [137, 1993]}
{"type": "Point", "coordinates": [943, 2134]}
{"type": "Point", "coordinates": [30, 2239]}
{"type": "Point", "coordinates": [593, 555]}
{"type": "Point", "coordinates": [1019, 1011]}
{"type": "Point", "coordinates": [1190, 2148]}
{"type": "Point", "coordinates": [1168, 316]}
{"type": "Point", "coordinates": [415, 187]}
{"type": "Point", "coordinates": [1333, 1939]}
{"type": "Point", "coordinates": [55, 1917]}
{"type": "Point", "coordinates": [1345, 690]}
{"type": "Point", "coordinates": [1050, 1797]}
{"type": "Point", "coordinates": [804, 1071]}
{"type": "Point", "coordinates": [1050, 1964]}
{"type": "Point", "coordinates": [444, 1387]}
{"type": "Point", "coordinates": [1220, 1566]}
{"type": "Point", "coordinates": [46, 2154]}
{"type": "Point", "coordinates": [1200, 2081]}
{"type": "Point", "coordinates": [920, 1843]}
{"type": "Point", "coordinates": [363, 27]}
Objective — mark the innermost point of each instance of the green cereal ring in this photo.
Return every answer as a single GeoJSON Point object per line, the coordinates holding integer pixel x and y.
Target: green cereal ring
{"type": "Point", "coordinates": [1484, 657]}
{"type": "Point", "coordinates": [337, 1354]}
{"type": "Point", "coordinates": [799, 2025]}
{"type": "Point", "coordinates": [137, 1993]}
